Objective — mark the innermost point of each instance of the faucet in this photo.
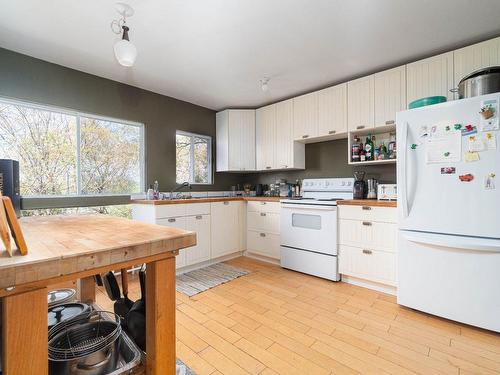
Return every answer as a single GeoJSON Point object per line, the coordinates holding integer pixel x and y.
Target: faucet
{"type": "Point", "coordinates": [184, 184]}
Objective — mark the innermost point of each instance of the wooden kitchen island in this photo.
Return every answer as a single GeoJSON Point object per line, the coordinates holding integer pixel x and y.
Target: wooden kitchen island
{"type": "Point", "coordinates": [66, 248]}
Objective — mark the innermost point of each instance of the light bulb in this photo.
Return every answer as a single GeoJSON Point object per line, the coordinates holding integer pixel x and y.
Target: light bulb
{"type": "Point", "coordinates": [125, 52]}
{"type": "Point", "coordinates": [265, 86]}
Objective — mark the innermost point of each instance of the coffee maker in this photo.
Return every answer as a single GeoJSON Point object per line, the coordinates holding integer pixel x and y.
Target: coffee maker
{"type": "Point", "coordinates": [359, 185]}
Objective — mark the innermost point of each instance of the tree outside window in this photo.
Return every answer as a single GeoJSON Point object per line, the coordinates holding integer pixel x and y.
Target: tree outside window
{"type": "Point", "coordinates": [193, 158]}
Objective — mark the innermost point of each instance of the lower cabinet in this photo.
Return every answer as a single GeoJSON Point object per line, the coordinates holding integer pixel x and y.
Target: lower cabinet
{"type": "Point", "coordinates": [262, 243]}
{"type": "Point", "coordinates": [367, 243]}
{"type": "Point", "coordinates": [263, 229]}
{"type": "Point", "coordinates": [225, 227]}
{"type": "Point", "coordinates": [201, 252]}
{"type": "Point", "coordinates": [179, 223]}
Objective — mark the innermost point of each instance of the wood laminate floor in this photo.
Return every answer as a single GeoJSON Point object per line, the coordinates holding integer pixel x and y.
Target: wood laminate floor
{"type": "Point", "coordinates": [275, 321]}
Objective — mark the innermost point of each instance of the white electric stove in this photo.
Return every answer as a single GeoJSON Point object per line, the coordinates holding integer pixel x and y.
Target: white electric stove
{"type": "Point", "coordinates": [309, 227]}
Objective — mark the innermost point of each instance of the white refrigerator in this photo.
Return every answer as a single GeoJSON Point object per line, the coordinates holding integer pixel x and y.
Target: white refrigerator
{"type": "Point", "coordinates": [448, 174]}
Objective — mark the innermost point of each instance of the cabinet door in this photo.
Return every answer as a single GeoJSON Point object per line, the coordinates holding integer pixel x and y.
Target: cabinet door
{"type": "Point", "coordinates": [234, 141]}
{"type": "Point", "coordinates": [179, 223]}
{"type": "Point", "coordinates": [241, 140]}
{"type": "Point", "coordinates": [390, 95]}
{"type": "Point", "coordinates": [222, 141]}
{"type": "Point", "coordinates": [430, 77]}
{"type": "Point", "coordinates": [225, 228]}
{"type": "Point", "coordinates": [305, 116]}
{"type": "Point", "coordinates": [265, 137]}
{"type": "Point", "coordinates": [201, 252]}
{"type": "Point", "coordinates": [332, 110]}
{"type": "Point", "coordinates": [478, 56]}
{"type": "Point", "coordinates": [284, 134]}
{"type": "Point", "coordinates": [360, 103]}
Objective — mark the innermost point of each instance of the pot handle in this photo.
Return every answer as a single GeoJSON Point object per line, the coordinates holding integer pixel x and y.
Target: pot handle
{"type": "Point", "coordinates": [454, 90]}
{"type": "Point", "coordinates": [85, 367]}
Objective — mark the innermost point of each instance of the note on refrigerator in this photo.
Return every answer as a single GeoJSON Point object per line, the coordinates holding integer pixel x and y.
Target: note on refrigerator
{"type": "Point", "coordinates": [444, 149]}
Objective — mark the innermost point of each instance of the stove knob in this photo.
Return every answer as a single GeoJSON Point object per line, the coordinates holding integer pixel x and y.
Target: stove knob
{"type": "Point", "coordinates": [343, 183]}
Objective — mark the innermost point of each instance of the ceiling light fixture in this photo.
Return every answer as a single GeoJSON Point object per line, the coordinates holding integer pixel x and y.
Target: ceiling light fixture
{"type": "Point", "coordinates": [125, 51]}
{"type": "Point", "coordinates": [264, 84]}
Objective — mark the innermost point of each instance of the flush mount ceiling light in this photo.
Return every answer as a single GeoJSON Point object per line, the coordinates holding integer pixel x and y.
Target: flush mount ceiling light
{"type": "Point", "coordinates": [264, 84]}
{"type": "Point", "coordinates": [125, 51]}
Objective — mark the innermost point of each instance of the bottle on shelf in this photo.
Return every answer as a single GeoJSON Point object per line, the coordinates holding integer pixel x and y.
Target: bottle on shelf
{"type": "Point", "coordinates": [356, 149]}
{"type": "Point", "coordinates": [392, 146]}
{"type": "Point", "coordinates": [362, 155]}
{"type": "Point", "coordinates": [369, 149]}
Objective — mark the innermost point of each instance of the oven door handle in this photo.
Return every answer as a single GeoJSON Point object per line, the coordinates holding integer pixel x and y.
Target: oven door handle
{"type": "Point", "coordinates": [300, 206]}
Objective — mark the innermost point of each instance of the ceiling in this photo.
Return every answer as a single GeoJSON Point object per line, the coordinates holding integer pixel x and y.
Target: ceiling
{"type": "Point", "coordinates": [214, 52]}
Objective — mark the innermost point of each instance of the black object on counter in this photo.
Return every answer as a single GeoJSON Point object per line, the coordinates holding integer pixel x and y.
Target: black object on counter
{"type": "Point", "coordinates": [259, 190]}
{"type": "Point", "coordinates": [9, 182]}
{"type": "Point", "coordinates": [359, 188]}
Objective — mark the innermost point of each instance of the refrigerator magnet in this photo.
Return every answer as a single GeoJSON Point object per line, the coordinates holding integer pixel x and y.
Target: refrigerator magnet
{"type": "Point", "coordinates": [489, 115]}
{"type": "Point", "coordinates": [471, 156]}
{"type": "Point", "coordinates": [469, 130]}
{"type": "Point", "coordinates": [489, 181]}
{"type": "Point", "coordinates": [458, 126]}
{"type": "Point", "coordinates": [490, 140]}
{"type": "Point", "coordinates": [413, 146]}
{"type": "Point", "coordinates": [448, 170]}
{"type": "Point", "coordinates": [424, 132]}
{"type": "Point", "coordinates": [466, 177]}
{"type": "Point", "coordinates": [476, 144]}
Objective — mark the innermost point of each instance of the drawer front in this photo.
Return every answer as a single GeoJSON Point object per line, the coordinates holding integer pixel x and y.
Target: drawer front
{"type": "Point", "coordinates": [197, 209]}
{"type": "Point", "coordinates": [266, 244]}
{"type": "Point", "coordinates": [373, 265]}
{"type": "Point", "coordinates": [170, 210]}
{"type": "Point", "coordinates": [383, 214]}
{"type": "Point", "coordinates": [263, 206]}
{"type": "Point", "coordinates": [368, 234]}
{"type": "Point", "coordinates": [263, 221]}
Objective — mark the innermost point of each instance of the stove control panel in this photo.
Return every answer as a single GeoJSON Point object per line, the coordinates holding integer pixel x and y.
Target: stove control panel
{"type": "Point", "coordinates": [328, 184]}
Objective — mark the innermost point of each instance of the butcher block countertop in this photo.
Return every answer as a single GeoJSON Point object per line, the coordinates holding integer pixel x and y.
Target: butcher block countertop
{"type": "Point", "coordinates": [63, 245]}
{"type": "Point", "coordinates": [367, 202]}
{"type": "Point", "coordinates": [204, 200]}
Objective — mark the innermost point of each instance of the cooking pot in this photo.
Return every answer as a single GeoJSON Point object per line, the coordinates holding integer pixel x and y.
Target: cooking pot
{"type": "Point", "coordinates": [480, 82]}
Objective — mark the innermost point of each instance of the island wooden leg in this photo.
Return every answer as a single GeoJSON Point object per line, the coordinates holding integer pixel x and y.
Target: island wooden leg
{"type": "Point", "coordinates": [87, 289]}
{"type": "Point", "coordinates": [160, 317]}
{"type": "Point", "coordinates": [24, 334]}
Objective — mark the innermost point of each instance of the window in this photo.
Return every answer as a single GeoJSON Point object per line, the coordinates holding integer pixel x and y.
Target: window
{"type": "Point", "coordinates": [193, 158]}
{"type": "Point", "coordinates": [68, 153]}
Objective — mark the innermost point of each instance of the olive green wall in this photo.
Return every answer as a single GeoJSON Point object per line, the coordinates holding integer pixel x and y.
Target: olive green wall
{"type": "Point", "coordinates": [34, 80]}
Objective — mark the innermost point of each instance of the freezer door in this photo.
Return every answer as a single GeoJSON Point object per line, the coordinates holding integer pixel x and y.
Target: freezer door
{"type": "Point", "coordinates": [455, 278]}
{"type": "Point", "coordinates": [432, 201]}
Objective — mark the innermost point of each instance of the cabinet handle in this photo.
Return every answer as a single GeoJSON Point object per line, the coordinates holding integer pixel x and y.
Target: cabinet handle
{"type": "Point", "coordinates": [268, 167]}
{"type": "Point", "coordinates": [172, 220]}
{"type": "Point", "coordinates": [305, 136]}
{"type": "Point", "coordinates": [366, 208]}
{"type": "Point", "coordinates": [198, 217]}
{"type": "Point", "coordinates": [367, 223]}
{"type": "Point", "coordinates": [226, 203]}
{"type": "Point", "coordinates": [332, 132]}
{"type": "Point", "coordinates": [390, 122]}
{"type": "Point", "coordinates": [284, 166]}
{"type": "Point", "coordinates": [263, 203]}
{"type": "Point", "coordinates": [360, 127]}
{"type": "Point", "coordinates": [262, 214]}
{"type": "Point", "coordinates": [262, 234]}
{"type": "Point", "coordinates": [367, 252]}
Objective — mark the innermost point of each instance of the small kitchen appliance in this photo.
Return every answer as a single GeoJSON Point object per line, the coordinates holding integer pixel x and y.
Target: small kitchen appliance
{"type": "Point", "coordinates": [387, 192]}
{"type": "Point", "coordinates": [309, 227]}
{"type": "Point", "coordinates": [259, 190]}
{"type": "Point", "coordinates": [359, 185]}
{"type": "Point", "coordinates": [371, 185]}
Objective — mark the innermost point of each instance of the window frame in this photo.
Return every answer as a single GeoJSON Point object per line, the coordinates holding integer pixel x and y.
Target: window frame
{"type": "Point", "coordinates": [209, 140]}
{"type": "Point", "coordinates": [79, 199]}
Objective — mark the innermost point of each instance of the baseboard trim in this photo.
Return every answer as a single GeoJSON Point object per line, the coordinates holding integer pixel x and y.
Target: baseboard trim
{"type": "Point", "coordinates": [208, 262]}
{"type": "Point", "coordinates": [261, 257]}
{"type": "Point", "coordinates": [389, 289]}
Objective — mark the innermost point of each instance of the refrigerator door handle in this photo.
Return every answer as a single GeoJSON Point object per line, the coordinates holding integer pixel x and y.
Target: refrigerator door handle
{"type": "Point", "coordinates": [404, 174]}
{"type": "Point", "coordinates": [454, 242]}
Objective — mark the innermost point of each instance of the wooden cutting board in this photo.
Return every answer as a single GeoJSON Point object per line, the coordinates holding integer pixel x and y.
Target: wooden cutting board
{"type": "Point", "coordinates": [15, 228]}
{"type": "Point", "coordinates": [4, 228]}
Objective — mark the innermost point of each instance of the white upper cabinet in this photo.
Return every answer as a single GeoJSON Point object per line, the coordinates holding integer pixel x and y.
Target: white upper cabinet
{"type": "Point", "coordinates": [305, 116]}
{"type": "Point", "coordinates": [478, 56]}
{"type": "Point", "coordinates": [265, 137]}
{"type": "Point", "coordinates": [288, 153]}
{"type": "Point", "coordinates": [360, 103]}
{"type": "Point", "coordinates": [332, 110]}
{"type": "Point", "coordinates": [430, 77]}
{"type": "Point", "coordinates": [390, 95]}
{"type": "Point", "coordinates": [235, 140]}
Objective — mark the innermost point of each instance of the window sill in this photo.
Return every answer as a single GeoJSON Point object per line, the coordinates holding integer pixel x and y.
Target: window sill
{"type": "Point", "coordinates": [69, 201]}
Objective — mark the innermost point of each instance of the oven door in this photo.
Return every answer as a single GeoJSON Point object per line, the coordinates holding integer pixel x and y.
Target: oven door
{"type": "Point", "coordinates": [309, 227]}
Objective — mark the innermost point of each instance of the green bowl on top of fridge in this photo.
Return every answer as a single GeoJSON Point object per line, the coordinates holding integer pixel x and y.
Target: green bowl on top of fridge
{"type": "Point", "coordinates": [430, 100]}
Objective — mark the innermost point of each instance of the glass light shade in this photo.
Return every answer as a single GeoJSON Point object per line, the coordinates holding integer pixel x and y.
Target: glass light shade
{"type": "Point", "coordinates": [125, 52]}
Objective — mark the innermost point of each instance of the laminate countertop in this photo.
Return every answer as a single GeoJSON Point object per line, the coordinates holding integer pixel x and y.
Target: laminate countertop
{"type": "Point", "coordinates": [367, 202]}
{"type": "Point", "coordinates": [204, 200]}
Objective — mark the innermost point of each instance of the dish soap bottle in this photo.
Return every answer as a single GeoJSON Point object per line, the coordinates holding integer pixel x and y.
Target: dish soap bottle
{"type": "Point", "coordinates": [156, 190]}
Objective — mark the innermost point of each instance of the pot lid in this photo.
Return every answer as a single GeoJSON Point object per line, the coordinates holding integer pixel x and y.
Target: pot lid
{"type": "Point", "coordinates": [480, 72]}
{"type": "Point", "coordinates": [58, 296]}
{"type": "Point", "coordinates": [66, 311]}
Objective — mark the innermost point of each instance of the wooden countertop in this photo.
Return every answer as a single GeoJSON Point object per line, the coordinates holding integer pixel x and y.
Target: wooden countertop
{"type": "Point", "coordinates": [65, 245]}
{"type": "Point", "coordinates": [204, 200]}
{"type": "Point", "coordinates": [366, 202]}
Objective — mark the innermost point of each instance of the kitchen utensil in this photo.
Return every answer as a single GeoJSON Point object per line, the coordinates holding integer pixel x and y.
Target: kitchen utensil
{"type": "Point", "coordinates": [387, 192]}
{"type": "Point", "coordinates": [58, 296]}
{"type": "Point", "coordinates": [430, 100]}
{"type": "Point", "coordinates": [15, 228]}
{"type": "Point", "coordinates": [359, 185]}
{"type": "Point", "coordinates": [90, 348]}
{"type": "Point", "coordinates": [66, 312]}
{"type": "Point", "coordinates": [371, 188]}
{"type": "Point", "coordinates": [4, 229]}
{"type": "Point", "coordinates": [123, 305]}
{"type": "Point", "coordinates": [111, 286]}
{"type": "Point", "coordinates": [480, 82]}
{"type": "Point", "coordinates": [136, 318]}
